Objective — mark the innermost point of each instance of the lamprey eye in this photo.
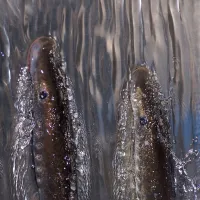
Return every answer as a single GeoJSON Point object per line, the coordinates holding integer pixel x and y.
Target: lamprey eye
{"type": "Point", "coordinates": [143, 121]}
{"type": "Point", "coordinates": [43, 95]}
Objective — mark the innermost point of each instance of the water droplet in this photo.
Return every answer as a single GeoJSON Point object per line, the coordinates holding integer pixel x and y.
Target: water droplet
{"type": "Point", "coordinates": [67, 158]}
{"type": "Point", "coordinates": [73, 187]}
{"type": "Point", "coordinates": [75, 115]}
{"type": "Point", "coordinates": [70, 97]}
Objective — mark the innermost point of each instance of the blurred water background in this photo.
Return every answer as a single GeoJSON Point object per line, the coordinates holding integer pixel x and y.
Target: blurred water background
{"type": "Point", "coordinates": [100, 40]}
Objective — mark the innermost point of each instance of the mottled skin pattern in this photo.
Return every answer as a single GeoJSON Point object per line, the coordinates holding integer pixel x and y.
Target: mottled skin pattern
{"type": "Point", "coordinates": [154, 167]}
{"type": "Point", "coordinates": [52, 166]}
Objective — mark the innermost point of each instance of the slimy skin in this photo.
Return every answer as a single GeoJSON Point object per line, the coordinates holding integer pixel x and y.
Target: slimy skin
{"type": "Point", "coordinates": [51, 157]}
{"type": "Point", "coordinates": [143, 163]}
{"type": "Point", "coordinates": [153, 160]}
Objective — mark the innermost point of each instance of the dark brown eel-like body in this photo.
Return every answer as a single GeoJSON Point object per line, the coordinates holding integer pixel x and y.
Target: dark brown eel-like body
{"type": "Point", "coordinates": [50, 150]}
{"type": "Point", "coordinates": [154, 165]}
{"type": "Point", "coordinates": [143, 162]}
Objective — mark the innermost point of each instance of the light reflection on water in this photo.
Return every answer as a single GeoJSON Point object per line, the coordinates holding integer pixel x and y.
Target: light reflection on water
{"type": "Point", "coordinates": [100, 40]}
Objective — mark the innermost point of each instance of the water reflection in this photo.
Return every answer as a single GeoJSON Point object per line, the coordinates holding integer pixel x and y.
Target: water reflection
{"type": "Point", "coordinates": [99, 41]}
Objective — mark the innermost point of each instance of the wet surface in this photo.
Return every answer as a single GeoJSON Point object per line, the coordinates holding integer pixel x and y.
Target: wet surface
{"type": "Point", "coordinates": [100, 42]}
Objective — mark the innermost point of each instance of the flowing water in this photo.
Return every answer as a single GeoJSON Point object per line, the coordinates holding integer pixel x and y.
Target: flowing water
{"type": "Point", "coordinates": [100, 42]}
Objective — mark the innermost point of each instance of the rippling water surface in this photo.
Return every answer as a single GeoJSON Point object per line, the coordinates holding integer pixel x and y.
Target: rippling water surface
{"type": "Point", "coordinates": [100, 41]}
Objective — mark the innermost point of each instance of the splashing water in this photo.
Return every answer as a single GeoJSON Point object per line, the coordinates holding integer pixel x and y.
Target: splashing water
{"type": "Point", "coordinates": [23, 126]}
{"type": "Point", "coordinates": [99, 41]}
{"type": "Point", "coordinates": [78, 128]}
{"type": "Point", "coordinates": [129, 151]}
{"type": "Point", "coordinates": [24, 187]}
